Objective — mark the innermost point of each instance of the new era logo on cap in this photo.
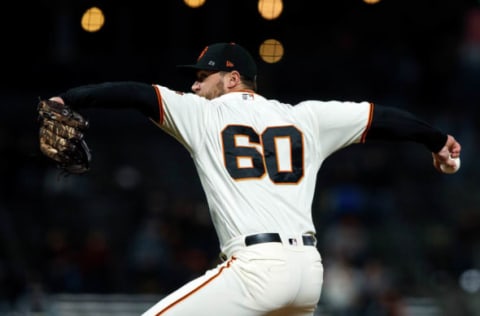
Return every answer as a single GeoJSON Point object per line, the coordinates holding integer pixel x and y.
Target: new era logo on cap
{"type": "Point", "coordinates": [226, 57]}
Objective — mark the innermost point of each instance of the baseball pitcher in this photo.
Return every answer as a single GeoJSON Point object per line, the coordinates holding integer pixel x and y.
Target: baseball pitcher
{"type": "Point", "coordinates": [257, 160]}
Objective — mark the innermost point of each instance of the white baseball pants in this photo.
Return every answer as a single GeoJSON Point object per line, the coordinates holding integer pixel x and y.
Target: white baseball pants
{"type": "Point", "coordinates": [274, 279]}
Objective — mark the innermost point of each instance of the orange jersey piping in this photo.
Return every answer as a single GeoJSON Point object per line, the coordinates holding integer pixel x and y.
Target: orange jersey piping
{"type": "Point", "coordinates": [197, 288]}
{"type": "Point", "coordinates": [160, 104]}
{"type": "Point", "coordinates": [369, 123]}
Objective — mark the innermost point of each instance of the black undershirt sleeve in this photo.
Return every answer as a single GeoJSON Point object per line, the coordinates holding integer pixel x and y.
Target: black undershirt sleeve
{"type": "Point", "coordinates": [392, 124]}
{"type": "Point", "coordinates": [115, 95]}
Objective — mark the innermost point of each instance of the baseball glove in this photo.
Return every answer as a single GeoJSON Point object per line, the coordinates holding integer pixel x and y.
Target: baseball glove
{"type": "Point", "coordinates": [62, 136]}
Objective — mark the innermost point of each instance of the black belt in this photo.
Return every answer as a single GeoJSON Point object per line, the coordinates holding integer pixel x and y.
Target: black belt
{"type": "Point", "coordinates": [308, 240]}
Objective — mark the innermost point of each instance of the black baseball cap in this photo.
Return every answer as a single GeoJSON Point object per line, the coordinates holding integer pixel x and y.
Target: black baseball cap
{"type": "Point", "coordinates": [226, 57]}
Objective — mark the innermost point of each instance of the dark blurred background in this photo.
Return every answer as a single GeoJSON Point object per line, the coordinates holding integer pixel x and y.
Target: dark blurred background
{"type": "Point", "coordinates": [397, 237]}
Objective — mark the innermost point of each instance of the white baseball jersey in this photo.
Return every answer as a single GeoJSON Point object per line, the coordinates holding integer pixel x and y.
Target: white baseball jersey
{"type": "Point", "coordinates": [258, 159]}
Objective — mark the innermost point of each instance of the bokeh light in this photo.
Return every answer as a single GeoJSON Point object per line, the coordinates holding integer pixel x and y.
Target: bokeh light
{"type": "Point", "coordinates": [194, 3]}
{"type": "Point", "coordinates": [271, 51]}
{"type": "Point", "coordinates": [270, 9]}
{"type": "Point", "coordinates": [93, 19]}
{"type": "Point", "coordinates": [470, 280]}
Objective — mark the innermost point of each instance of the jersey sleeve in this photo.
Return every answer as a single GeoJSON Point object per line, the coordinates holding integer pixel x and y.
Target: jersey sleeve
{"type": "Point", "coordinates": [393, 124]}
{"type": "Point", "coordinates": [337, 124]}
{"type": "Point", "coordinates": [182, 115]}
